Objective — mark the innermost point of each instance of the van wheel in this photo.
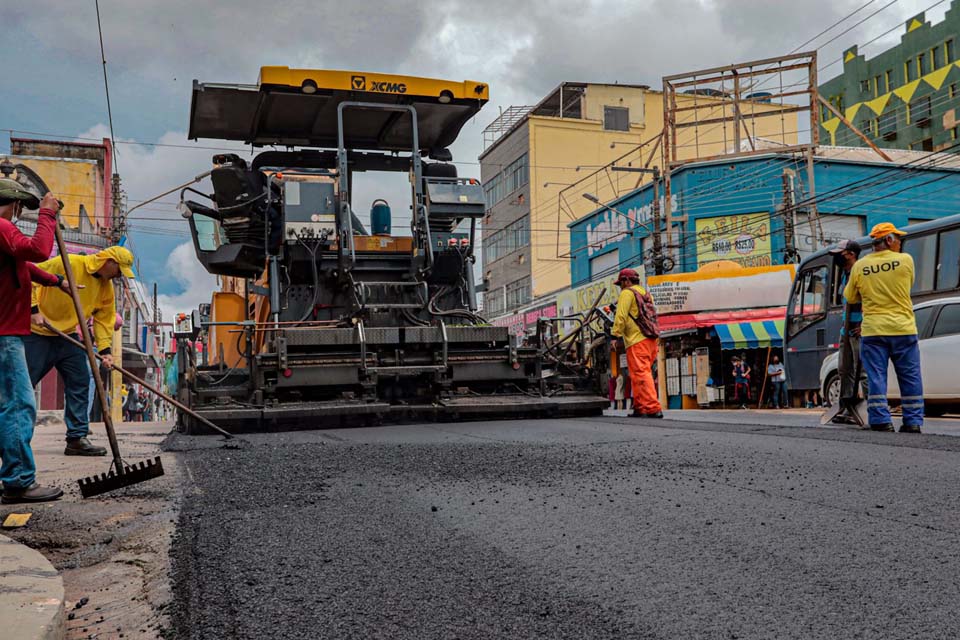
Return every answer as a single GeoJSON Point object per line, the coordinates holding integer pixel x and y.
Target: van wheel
{"type": "Point", "coordinates": [831, 389]}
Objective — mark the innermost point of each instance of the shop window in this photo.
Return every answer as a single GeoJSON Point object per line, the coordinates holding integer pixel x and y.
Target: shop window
{"type": "Point", "coordinates": [948, 322]}
{"type": "Point", "coordinates": [948, 263]}
{"type": "Point", "coordinates": [616, 118]}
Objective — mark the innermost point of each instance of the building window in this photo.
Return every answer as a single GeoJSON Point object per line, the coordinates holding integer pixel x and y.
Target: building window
{"type": "Point", "coordinates": [518, 292]}
{"type": "Point", "coordinates": [513, 176]}
{"type": "Point", "coordinates": [953, 133]}
{"type": "Point", "coordinates": [926, 144]}
{"type": "Point", "coordinates": [935, 58]}
{"type": "Point", "coordinates": [865, 126]}
{"type": "Point", "coordinates": [909, 71]}
{"type": "Point", "coordinates": [948, 51]}
{"type": "Point", "coordinates": [888, 80]}
{"type": "Point", "coordinates": [493, 190]}
{"type": "Point", "coordinates": [876, 86]}
{"type": "Point", "coordinates": [887, 125]}
{"type": "Point", "coordinates": [920, 111]}
{"type": "Point", "coordinates": [516, 174]}
{"type": "Point", "coordinates": [616, 118]}
{"type": "Point", "coordinates": [864, 86]}
{"type": "Point", "coordinates": [514, 236]}
{"type": "Point", "coordinates": [921, 64]}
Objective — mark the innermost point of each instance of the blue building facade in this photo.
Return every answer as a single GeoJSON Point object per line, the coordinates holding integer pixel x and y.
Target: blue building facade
{"type": "Point", "coordinates": [740, 210]}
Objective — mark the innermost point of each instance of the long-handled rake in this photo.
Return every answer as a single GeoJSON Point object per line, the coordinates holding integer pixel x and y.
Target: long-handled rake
{"type": "Point", "coordinates": [120, 474]}
{"type": "Point", "coordinates": [151, 388]}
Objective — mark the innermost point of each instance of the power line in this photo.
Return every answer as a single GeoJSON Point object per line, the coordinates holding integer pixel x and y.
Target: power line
{"type": "Point", "coordinates": [106, 89]}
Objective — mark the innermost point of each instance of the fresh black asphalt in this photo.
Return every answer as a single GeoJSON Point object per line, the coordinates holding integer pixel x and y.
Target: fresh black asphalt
{"type": "Point", "coordinates": [580, 528]}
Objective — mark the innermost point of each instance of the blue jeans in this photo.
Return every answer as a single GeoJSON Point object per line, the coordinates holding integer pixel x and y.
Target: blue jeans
{"type": "Point", "coordinates": [48, 352]}
{"type": "Point", "coordinates": [18, 410]}
{"type": "Point", "coordinates": [779, 397]}
{"type": "Point", "coordinates": [904, 351]}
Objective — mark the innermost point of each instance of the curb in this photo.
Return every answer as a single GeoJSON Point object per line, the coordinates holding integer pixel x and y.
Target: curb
{"type": "Point", "coordinates": [31, 594]}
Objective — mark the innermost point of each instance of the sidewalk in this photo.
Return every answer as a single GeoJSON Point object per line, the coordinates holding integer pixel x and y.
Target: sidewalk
{"type": "Point", "coordinates": [31, 594]}
{"type": "Point", "coordinates": [786, 418]}
{"type": "Point", "coordinates": [110, 550]}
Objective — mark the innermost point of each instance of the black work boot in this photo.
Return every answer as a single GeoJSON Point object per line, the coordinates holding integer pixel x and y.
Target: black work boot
{"type": "Point", "coordinates": [33, 493]}
{"type": "Point", "coordinates": [881, 427]}
{"type": "Point", "coordinates": [82, 447]}
{"type": "Point", "coordinates": [910, 428]}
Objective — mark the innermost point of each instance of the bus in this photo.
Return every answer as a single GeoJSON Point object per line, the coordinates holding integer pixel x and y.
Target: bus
{"type": "Point", "coordinates": [814, 311]}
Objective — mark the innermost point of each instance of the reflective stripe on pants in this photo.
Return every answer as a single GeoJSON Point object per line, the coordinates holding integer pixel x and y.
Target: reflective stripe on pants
{"type": "Point", "coordinates": [904, 352]}
{"type": "Point", "coordinates": [640, 359]}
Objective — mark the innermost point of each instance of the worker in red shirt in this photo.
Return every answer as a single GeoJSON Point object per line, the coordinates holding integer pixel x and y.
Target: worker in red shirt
{"type": "Point", "coordinates": [18, 408]}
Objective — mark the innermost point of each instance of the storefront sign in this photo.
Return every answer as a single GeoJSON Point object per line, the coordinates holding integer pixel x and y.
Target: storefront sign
{"type": "Point", "coordinates": [580, 300]}
{"type": "Point", "coordinates": [514, 322]}
{"type": "Point", "coordinates": [547, 311]}
{"type": "Point", "coordinates": [609, 227]}
{"type": "Point", "coordinates": [718, 290]}
{"type": "Point", "coordinates": [744, 239]}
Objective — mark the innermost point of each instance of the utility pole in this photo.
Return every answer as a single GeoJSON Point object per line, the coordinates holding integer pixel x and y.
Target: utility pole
{"type": "Point", "coordinates": [658, 260]}
{"type": "Point", "coordinates": [119, 227]}
{"type": "Point", "coordinates": [790, 253]}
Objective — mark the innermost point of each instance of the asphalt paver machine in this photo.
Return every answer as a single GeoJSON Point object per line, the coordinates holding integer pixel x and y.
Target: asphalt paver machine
{"type": "Point", "coordinates": [328, 322]}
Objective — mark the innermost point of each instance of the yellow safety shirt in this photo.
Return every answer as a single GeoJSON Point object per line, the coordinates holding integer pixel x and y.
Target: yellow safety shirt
{"type": "Point", "coordinates": [882, 282]}
{"type": "Point", "coordinates": [627, 309]}
{"type": "Point", "coordinates": [96, 299]}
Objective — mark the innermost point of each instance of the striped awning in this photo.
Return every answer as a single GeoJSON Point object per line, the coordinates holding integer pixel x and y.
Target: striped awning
{"type": "Point", "coordinates": [750, 335]}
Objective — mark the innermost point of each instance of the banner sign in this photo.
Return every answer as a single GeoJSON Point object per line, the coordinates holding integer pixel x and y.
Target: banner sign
{"type": "Point", "coordinates": [722, 290]}
{"type": "Point", "coordinates": [744, 239]}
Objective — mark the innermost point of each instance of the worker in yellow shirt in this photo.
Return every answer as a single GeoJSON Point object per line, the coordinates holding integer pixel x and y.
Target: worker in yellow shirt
{"type": "Point", "coordinates": [45, 350]}
{"type": "Point", "coordinates": [636, 323]}
{"type": "Point", "coordinates": [882, 281]}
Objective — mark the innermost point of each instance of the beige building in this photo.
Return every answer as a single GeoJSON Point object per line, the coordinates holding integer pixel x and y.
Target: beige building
{"type": "Point", "coordinates": [538, 162]}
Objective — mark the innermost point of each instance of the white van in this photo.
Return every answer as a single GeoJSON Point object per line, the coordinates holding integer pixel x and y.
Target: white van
{"type": "Point", "coordinates": [938, 325]}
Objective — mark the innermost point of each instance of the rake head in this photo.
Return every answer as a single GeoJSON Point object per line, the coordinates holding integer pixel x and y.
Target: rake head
{"type": "Point", "coordinates": [95, 485]}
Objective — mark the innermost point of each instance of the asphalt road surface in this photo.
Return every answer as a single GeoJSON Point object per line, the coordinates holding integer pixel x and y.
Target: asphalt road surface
{"type": "Point", "coordinates": [583, 528]}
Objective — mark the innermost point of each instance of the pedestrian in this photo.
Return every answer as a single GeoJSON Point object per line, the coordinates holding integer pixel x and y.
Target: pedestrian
{"type": "Point", "coordinates": [741, 381]}
{"type": "Point", "coordinates": [94, 410]}
{"type": "Point", "coordinates": [846, 253]}
{"type": "Point", "coordinates": [132, 405]}
{"type": "Point", "coordinates": [636, 323]}
{"type": "Point", "coordinates": [881, 281]}
{"type": "Point", "coordinates": [778, 383]}
{"type": "Point", "coordinates": [18, 408]}
{"type": "Point", "coordinates": [46, 350]}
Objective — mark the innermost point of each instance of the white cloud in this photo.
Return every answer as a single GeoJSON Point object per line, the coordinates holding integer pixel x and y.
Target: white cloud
{"type": "Point", "coordinates": [195, 283]}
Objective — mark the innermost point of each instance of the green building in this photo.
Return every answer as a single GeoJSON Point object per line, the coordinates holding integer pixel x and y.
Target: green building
{"type": "Point", "coordinates": [904, 98]}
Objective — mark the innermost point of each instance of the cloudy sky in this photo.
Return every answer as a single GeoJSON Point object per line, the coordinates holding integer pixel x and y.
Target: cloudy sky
{"type": "Point", "coordinates": [154, 50]}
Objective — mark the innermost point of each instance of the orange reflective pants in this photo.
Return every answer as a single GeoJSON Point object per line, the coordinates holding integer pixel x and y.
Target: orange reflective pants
{"type": "Point", "coordinates": [640, 359]}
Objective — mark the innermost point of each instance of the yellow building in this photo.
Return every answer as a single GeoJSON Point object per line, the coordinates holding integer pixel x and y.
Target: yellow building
{"type": "Point", "coordinates": [78, 173]}
{"type": "Point", "coordinates": [538, 162]}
